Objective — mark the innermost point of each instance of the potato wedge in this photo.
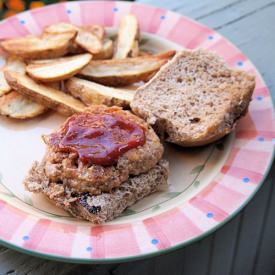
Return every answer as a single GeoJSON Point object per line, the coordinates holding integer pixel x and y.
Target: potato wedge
{"type": "Point", "coordinates": [128, 34]}
{"type": "Point", "coordinates": [46, 46]}
{"type": "Point", "coordinates": [94, 93]}
{"type": "Point", "coordinates": [135, 50]}
{"type": "Point", "coordinates": [47, 96]}
{"type": "Point", "coordinates": [13, 64]}
{"type": "Point", "coordinates": [124, 71]}
{"type": "Point", "coordinates": [58, 69]}
{"type": "Point", "coordinates": [97, 30]}
{"type": "Point", "coordinates": [106, 52]}
{"type": "Point", "coordinates": [18, 106]}
{"type": "Point", "coordinates": [61, 28]}
{"type": "Point", "coordinates": [4, 86]}
{"type": "Point", "coordinates": [88, 41]}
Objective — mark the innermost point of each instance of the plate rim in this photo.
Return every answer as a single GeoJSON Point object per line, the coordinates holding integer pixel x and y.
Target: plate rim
{"type": "Point", "coordinates": [173, 247]}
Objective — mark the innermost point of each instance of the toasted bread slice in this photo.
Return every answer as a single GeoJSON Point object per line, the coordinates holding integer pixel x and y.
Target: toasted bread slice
{"type": "Point", "coordinates": [94, 93]}
{"type": "Point", "coordinates": [46, 46]}
{"type": "Point", "coordinates": [195, 99]}
{"type": "Point", "coordinates": [98, 208]}
{"type": "Point", "coordinates": [58, 69]}
{"type": "Point", "coordinates": [123, 72]}
{"type": "Point", "coordinates": [128, 35]}
{"type": "Point", "coordinates": [42, 94]}
{"type": "Point", "coordinates": [18, 106]}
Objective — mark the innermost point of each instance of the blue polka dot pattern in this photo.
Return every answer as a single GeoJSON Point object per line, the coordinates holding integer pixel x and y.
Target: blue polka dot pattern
{"type": "Point", "coordinates": [261, 139]}
{"type": "Point", "coordinates": [115, 9]}
{"type": "Point", "coordinates": [89, 248]}
{"type": "Point", "coordinates": [210, 215]}
{"type": "Point", "coordinates": [246, 179]}
{"type": "Point", "coordinates": [259, 98]}
{"type": "Point", "coordinates": [162, 17]}
{"type": "Point", "coordinates": [25, 238]}
{"type": "Point", "coordinates": [154, 241]}
{"type": "Point", "coordinates": [210, 37]}
{"type": "Point", "coordinates": [69, 11]}
{"type": "Point", "coordinates": [240, 63]}
{"type": "Point", "coordinates": [22, 22]}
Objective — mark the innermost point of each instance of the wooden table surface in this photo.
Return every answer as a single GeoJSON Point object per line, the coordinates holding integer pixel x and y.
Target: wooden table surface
{"type": "Point", "coordinates": [245, 245]}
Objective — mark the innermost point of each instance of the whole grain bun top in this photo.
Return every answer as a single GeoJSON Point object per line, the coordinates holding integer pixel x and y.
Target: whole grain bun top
{"type": "Point", "coordinates": [194, 99]}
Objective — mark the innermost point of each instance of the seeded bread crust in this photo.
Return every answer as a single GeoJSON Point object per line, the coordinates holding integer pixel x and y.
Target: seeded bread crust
{"type": "Point", "coordinates": [194, 99]}
{"type": "Point", "coordinates": [97, 208]}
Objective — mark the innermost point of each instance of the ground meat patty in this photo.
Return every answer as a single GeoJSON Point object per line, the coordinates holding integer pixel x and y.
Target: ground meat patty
{"type": "Point", "coordinates": [80, 177]}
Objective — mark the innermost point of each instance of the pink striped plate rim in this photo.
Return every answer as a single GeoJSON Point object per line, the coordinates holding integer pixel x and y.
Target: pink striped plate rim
{"type": "Point", "coordinates": [228, 191]}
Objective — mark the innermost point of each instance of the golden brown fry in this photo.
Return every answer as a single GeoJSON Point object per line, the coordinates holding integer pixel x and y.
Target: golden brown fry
{"type": "Point", "coordinates": [46, 46]}
{"type": "Point", "coordinates": [88, 41]}
{"type": "Point", "coordinates": [97, 30]}
{"type": "Point", "coordinates": [128, 35]}
{"type": "Point", "coordinates": [4, 86]}
{"type": "Point", "coordinates": [106, 52]}
{"type": "Point", "coordinates": [47, 96]}
{"type": "Point", "coordinates": [124, 72]}
{"type": "Point", "coordinates": [18, 106]}
{"type": "Point", "coordinates": [58, 69]}
{"type": "Point", "coordinates": [135, 50]}
{"type": "Point", "coordinates": [60, 28]}
{"type": "Point", "coordinates": [94, 93]}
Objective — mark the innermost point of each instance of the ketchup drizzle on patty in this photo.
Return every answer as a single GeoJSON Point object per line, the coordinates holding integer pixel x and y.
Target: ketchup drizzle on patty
{"type": "Point", "coordinates": [98, 138]}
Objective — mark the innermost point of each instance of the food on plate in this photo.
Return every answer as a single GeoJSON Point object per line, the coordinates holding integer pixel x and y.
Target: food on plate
{"type": "Point", "coordinates": [61, 28]}
{"type": "Point", "coordinates": [59, 68]}
{"type": "Point", "coordinates": [4, 86]}
{"type": "Point", "coordinates": [93, 93]}
{"type": "Point", "coordinates": [46, 46]}
{"type": "Point", "coordinates": [97, 30]}
{"type": "Point", "coordinates": [106, 51]}
{"type": "Point", "coordinates": [88, 41]}
{"type": "Point", "coordinates": [42, 94]}
{"type": "Point", "coordinates": [195, 99]}
{"type": "Point", "coordinates": [18, 106]}
{"type": "Point", "coordinates": [128, 36]}
{"type": "Point", "coordinates": [126, 71]}
{"type": "Point", "coordinates": [98, 163]}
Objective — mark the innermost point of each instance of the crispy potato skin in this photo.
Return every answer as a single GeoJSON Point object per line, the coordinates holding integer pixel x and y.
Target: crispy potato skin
{"type": "Point", "coordinates": [47, 96]}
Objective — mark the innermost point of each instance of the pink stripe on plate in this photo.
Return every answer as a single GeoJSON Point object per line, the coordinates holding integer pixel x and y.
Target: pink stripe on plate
{"type": "Point", "coordinates": [121, 9]}
{"type": "Point", "coordinates": [10, 219]}
{"type": "Point", "coordinates": [248, 159]}
{"type": "Point", "coordinates": [262, 91]}
{"type": "Point", "coordinates": [168, 24]}
{"type": "Point", "coordinates": [58, 239]}
{"type": "Point", "coordinates": [37, 233]}
{"type": "Point", "coordinates": [73, 11]}
{"type": "Point", "coordinates": [97, 12]}
{"type": "Point", "coordinates": [108, 240]}
{"type": "Point", "coordinates": [149, 18]}
{"type": "Point", "coordinates": [50, 15]}
{"type": "Point", "coordinates": [11, 28]}
{"type": "Point", "coordinates": [250, 134]}
{"type": "Point", "coordinates": [224, 198]}
{"type": "Point", "coordinates": [208, 208]}
{"type": "Point", "coordinates": [242, 173]}
{"type": "Point", "coordinates": [225, 49]}
{"type": "Point", "coordinates": [196, 33]}
{"type": "Point", "coordinates": [171, 227]}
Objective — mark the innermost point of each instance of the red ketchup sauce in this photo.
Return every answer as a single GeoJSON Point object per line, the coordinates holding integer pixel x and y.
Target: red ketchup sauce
{"type": "Point", "coordinates": [98, 138]}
